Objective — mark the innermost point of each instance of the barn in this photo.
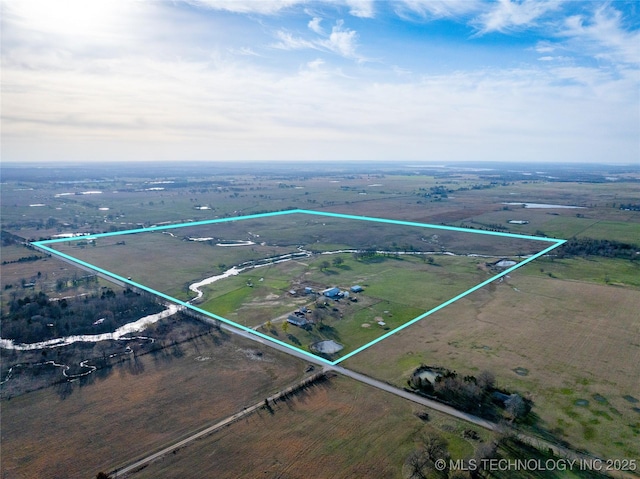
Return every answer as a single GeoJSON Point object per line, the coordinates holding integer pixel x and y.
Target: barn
{"type": "Point", "coordinates": [332, 293]}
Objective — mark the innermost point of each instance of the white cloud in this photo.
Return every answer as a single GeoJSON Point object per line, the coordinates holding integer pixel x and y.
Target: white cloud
{"type": "Point", "coordinates": [603, 36]}
{"type": "Point", "coordinates": [544, 47]}
{"type": "Point", "coordinates": [140, 108]}
{"type": "Point", "coordinates": [315, 64]}
{"type": "Point", "coordinates": [341, 41]}
{"type": "Point", "coordinates": [140, 101]}
{"type": "Point", "coordinates": [509, 14]}
{"type": "Point", "coordinates": [357, 8]}
{"type": "Point", "coordinates": [314, 25]}
{"type": "Point", "coordinates": [437, 8]}
{"type": "Point", "coordinates": [289, 42]}
{"type": "Point", "coordinates": [264, 7]}
{"type": "Point", "coordinates": [361, 8]}
{"type": "Point", "coordinates": [245, 51]}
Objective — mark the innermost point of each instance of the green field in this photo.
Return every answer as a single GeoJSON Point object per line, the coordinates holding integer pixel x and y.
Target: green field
{"type": "Point", "coordinates": [561, 331]}
{"type": "Point", "coordinates": [406, 270]}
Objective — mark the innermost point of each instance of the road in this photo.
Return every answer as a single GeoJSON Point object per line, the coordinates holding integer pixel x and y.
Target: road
{"type": "Point", "coordinates": [431, 404]}
{"type": "Point", "coordinates": [540, 444]}
{"type": "Point", "coordinates": [219, 425]}
{"type": "Point", "coordinates": [183, 442]}
{"type": "Point", "coordinates": [536, 442]}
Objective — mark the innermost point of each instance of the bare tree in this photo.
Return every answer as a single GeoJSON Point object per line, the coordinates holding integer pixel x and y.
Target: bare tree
{"type": "Point", "coordinates": [515, 406]}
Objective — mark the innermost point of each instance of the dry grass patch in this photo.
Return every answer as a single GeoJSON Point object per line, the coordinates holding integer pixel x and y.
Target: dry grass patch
{"type": "Point", "coordinates": [116, 419]}
{"type": "Point", "coordinates": [338, 429]}
{"type": "Point", "coordinates": [576, 340]}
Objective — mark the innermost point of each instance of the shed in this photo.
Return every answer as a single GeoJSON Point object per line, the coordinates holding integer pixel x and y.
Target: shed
{"type": "Point", "coordinates": [357, 288]}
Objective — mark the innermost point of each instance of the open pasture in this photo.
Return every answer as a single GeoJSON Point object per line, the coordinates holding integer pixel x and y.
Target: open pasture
{"type": "Point", "coordinates": [74, 430]}
{"type": "Point", "coordinates": [337, 429]}
{"type": "Point", "coordinates": [389, 256]}
{"type": "Point", "coordinates": [561, 342]}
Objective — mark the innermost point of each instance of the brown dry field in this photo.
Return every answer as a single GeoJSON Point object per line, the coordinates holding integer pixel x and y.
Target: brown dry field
{"type": "Point", "coordinates": [137, 408]}
{"type": "Point", "coordinates": [575, 339]}
{"type": "Point", "coordinates": [336, 429]}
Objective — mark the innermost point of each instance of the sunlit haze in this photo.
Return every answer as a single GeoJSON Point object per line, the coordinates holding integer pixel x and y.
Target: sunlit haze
{"type": "Point", "coordinates": [405, 80]}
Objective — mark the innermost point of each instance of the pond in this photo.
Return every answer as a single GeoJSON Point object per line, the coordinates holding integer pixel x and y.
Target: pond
{"type": "Point", "coordinates": [327, 347]}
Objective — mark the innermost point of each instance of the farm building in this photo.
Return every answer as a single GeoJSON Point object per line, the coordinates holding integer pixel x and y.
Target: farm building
{"type": "Point", "coordinates": [357, 288]}
{"type": "Point", "coordinates": [332, 293]}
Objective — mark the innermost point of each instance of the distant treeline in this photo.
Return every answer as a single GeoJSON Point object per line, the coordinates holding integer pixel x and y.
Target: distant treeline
{"type": "Point", "coordinates": [24, 259]}
{"type": "Point", "coordinates": [596, 247]}
{"type": "Point", "coordinates": [630, 207]}
{"type": "Point", "coordinates": [9, 239]}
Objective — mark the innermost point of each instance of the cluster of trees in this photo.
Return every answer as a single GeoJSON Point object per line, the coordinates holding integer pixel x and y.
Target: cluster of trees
{"type": "Point", "coordinates": [476, 395]}
{"type": "Point", "coordinates": [432, 453]}
{"type": "Point", "coordinates": [24, 259]}
{"type": "Point", "coordinates": [629, 206]}
{"type": "Point", "coordinates": [36, 317]}
{"type": "Point", "coordinates": [596, 247]}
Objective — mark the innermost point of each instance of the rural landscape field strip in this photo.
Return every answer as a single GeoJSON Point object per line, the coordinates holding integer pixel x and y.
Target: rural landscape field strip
{"type": "Point", "coordinates": [44, 245]}
{"type": "Point", "coordinates": [446, 303]}
{"type": "Point", "coordinates": [560, 332]}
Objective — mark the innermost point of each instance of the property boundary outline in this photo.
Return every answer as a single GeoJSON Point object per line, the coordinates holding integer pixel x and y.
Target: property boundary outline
{"type": "Point", "coordinates": [43, 246]}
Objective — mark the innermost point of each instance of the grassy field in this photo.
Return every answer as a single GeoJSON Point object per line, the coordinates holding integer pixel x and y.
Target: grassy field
{"type": "Point", "coordinates": [338, 429]}
{"type": "Point", "coordinates": [564, 332]}
{"type": "Point", "coordinates": [147, 257]}
{"type": "Point", "coordinates": [576, 341]}
{"type": "Point", "coordinates": [140, 406]}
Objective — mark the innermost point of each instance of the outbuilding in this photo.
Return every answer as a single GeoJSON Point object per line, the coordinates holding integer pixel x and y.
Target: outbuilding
{"type": "Point", "coordinates": [332, 292]}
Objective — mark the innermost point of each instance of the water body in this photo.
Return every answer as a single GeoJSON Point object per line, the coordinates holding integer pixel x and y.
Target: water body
{"type": "Point", "coordinates": [543, 205]}
{"type": "Point", "coordinates": [327, 347]}
{"type": "Point", "coordinates": [119, 334]}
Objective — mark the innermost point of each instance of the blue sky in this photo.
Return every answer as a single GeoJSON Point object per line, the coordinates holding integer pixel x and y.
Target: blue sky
{"type": "Point", "coordinates": [406, 80]}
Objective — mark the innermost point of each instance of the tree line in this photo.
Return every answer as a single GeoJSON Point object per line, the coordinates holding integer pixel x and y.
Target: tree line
{"type": "Point", "coordinates": [597, 247]}
{"type": "Point", "coordinates": [36, 317]}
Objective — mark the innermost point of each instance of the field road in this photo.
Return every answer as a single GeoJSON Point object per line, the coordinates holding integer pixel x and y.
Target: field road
{"type": "Point", "coordinates": [431, 404]}
{"type": "Point", "coordinates": [536, 442]}
{"type": "Point", "coordinates": [540, 444]}
{"type": "Point", "coordinates": [183, 442]}
{"type": "Point", "coordinates": [219, 425]}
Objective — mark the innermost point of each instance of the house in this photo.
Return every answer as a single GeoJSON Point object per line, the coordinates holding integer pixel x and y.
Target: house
{"type": "Point", "coordinates": [357, 289]}
{"type": "Point", "coordinates": [301, 322]}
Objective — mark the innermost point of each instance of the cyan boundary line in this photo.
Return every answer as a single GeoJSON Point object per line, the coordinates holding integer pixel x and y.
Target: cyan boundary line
{"type": "Point", "coordinates": [447, 303]}
{"type": "Point", "coordinates": [166, 227]}
{"type": "Point", "coordinates": [42, 245]}
{"type": "Point", "coordinates": [426, 225]}
{"type": "Point", "coordinates": [179, 302]}
{"type": "Point", "coordinates": [298, 211]}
